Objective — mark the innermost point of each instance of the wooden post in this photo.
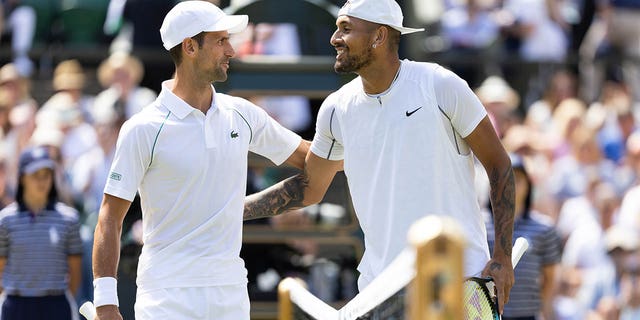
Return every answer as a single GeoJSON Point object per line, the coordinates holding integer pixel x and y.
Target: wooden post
{"type": "Point", "coordinates": [285, 306]}
{"type": "Point", "coordinates": [436, 291]}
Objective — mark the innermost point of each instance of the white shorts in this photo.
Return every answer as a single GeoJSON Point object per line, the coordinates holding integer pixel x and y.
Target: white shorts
{"type": "Point", "coordinates": [219, 302]}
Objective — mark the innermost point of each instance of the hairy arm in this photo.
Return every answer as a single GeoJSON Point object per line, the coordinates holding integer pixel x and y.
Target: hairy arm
{"type": "Point", "coordinates": [489, 151]}
{"type": "Point", "coordinates": [296, 192]}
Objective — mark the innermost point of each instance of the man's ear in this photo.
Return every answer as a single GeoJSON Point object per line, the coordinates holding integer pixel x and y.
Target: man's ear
{"type": "Point", "coordinates": [189, 46]}
{"type": "Point", "coordinates": [381, 36]}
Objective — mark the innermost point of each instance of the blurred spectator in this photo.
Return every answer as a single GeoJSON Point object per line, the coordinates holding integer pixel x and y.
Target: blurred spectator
{"type": "Point", "coordinates": [89, 174]}
{"type": "Point", "coordinates": [561, 86]}
{"type": "Point", "coordinates": [63, 113]}
{"type": "Point", "coordinates": [278, 39]}
{"type": "Point", "coordinates": [586, 250]}
{"type": "Point", "coordinates": [630, 291]}
{"type": "Point", "coordinates": [19, 20]}
{"type": "Point", "coordinates": [538, 33]}
{"type": "Point", "coordinates": [571, 174]}
{"type": "Point", "coordinates": [21, 111]}
{"type": "Point", "coordinates": [43, 279]}
{"type": "Point", "coordinates": [566, 118]}
{"type": "Point", "coordinates": [501, 102]}
{"type": "Point", "coordinates": [69, 76]}
{"type": "Point", "coordinates": [613, 116]}
{"type": "Point", "coordinates": [17, 85]}
{"type": "Point", "coordinates": [612, 39]}
{"type": "Point", "coordinates": [144, 17]}
{"type": "Point", "coordinates": [136, 23]}
{"type": "Point", "coordinates": [607, 288]}
{"type": "Point", "coordinates": [60, 114]}
{"type": "Point", "coordinates": [540, 27]}
{"type": "Point", "coordinates": [121, 74]}
{"type": "Point", "coordinates": [532, 293]}
{"type": "Point", "coordinates": [469, 32]}
{"type": "Point", "coordinates": [630, 207]}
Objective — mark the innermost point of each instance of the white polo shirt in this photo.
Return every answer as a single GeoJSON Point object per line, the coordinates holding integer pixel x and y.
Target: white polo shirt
{"type": "Point", "coordinates": [403, 160]}
{"type": "Point", "coordinates": [190, 170]}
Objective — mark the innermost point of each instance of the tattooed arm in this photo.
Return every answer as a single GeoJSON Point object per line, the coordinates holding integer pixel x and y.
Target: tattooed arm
{"type": "Point", "coordinates": [488, 149]}
{"type": "Point", "coordinates": [296, 192]}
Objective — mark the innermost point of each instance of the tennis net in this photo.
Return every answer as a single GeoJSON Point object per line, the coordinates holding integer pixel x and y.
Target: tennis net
{"type": "Point", "coordinates": [390, 294]}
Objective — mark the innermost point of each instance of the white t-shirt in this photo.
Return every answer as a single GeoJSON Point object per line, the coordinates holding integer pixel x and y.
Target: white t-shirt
{"type": "Point", "coordinates": [403, 161]}
{"type": "Point", "coordinates": [190, 171]}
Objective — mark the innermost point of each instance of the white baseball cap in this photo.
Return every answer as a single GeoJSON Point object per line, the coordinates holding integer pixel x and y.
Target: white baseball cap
{"type": "Point", "coordinates": [188, 18]}
{"type": "Point", "coordinates": [386, 12]}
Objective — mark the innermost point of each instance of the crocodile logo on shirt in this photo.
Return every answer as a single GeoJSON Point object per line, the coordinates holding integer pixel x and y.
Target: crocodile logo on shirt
{"type": "Point", "coordinates": [234, 134]}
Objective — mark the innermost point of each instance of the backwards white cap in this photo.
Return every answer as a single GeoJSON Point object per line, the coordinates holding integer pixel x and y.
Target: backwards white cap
{"type": "Point", "coordinates": [188, 18]}
{"type": "Point", "coordinates": [386, 12]}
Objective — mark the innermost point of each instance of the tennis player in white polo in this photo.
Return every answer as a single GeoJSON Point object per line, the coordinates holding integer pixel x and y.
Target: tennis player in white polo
{"type": "Point", "coordinates": [406, 134]}
{"type": "Point", "coordinates": [186, 155]}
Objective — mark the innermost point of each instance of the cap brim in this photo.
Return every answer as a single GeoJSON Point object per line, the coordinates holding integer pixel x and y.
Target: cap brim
{"type": "Point", "coordinates": [405, 30]}
{"type": "Point", "coordinates": [37, 165]}
{"type": "Point", "coordinates": [231, 24]}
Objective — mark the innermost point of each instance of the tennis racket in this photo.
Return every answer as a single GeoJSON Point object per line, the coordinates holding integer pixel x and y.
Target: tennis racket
{"type": "Point", "coordinates": [88, 310]}
{"type": "Point", "coordinates": [480, 300]}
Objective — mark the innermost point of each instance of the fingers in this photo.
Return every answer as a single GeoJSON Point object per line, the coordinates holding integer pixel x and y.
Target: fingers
{"type": "Point", "coordinates": [503, 278]}
{"type": "Point", "coordinates": [504, 282]}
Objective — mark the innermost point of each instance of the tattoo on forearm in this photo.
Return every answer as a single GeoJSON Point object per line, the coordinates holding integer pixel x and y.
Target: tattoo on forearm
{"type": "Point", "coordinates": [502, 202]}
{"type": "Point", "coordinates": [284, 196]}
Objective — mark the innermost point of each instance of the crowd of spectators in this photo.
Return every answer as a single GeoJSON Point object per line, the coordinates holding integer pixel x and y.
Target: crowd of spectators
{"type": "Point", "coordinates": [561, 83]}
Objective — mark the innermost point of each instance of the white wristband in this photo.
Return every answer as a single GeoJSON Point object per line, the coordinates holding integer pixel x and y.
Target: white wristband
{"type": "Point", "coordinates": [105, 291]}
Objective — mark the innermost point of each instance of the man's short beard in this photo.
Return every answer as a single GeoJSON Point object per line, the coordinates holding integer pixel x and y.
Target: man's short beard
{"type": "Point", "coordinates": [353, 64]}
{"type": "Point", "coordinates": [219, 75]}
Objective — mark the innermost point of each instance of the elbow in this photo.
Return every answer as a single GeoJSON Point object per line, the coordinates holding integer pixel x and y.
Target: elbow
{"type": "Point", "coordinates": [311, 200]}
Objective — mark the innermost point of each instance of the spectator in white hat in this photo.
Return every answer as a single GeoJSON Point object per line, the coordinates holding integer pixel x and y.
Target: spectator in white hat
{"type": "Point", "coordinates": [406, 134]}
{"type": "Point", "coordinates": [186, 155]}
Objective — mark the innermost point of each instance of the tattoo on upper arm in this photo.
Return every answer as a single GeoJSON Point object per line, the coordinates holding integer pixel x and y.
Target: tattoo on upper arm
{"type": "Point", "coordinates": [287, 195]}
{"type": "Point", "coordinates": [502, 202]}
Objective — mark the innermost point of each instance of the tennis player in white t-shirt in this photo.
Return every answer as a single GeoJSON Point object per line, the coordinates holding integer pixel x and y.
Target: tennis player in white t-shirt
{"type": "Point", "coordinates": [186, 155]}
{"type": "Point", "coordinates": [405, 134]}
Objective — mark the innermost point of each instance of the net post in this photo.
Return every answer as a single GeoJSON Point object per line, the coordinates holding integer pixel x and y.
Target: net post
{"type": "Point", "coordinates": [285, 306]}
{"type": "Point", "coordinates": [436, 291]}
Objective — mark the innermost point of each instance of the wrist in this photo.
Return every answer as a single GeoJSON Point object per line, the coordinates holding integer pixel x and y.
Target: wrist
{"type": "Point", "coordinates": [105, 291]}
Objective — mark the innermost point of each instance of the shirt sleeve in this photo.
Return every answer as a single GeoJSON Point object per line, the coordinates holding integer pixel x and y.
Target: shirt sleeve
{"type": "Point", "coordinates": [270, 138]}
{"type": "Point", "coordinates": [458, 101]}
{"type": "Point", "coordinates": [327, 142]}
{"type": "Point", "coordinates": [130, 162]}
{"type": "Point", "coordinates": [74, 241]}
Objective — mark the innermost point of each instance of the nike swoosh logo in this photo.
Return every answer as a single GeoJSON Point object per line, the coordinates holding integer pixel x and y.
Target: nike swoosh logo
{"type": "Point", "coordinates": [408, 114]}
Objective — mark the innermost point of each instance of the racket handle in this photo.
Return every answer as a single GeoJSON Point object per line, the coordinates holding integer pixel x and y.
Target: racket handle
{"type": "Point", "coordinates": [88, 310]}
{"type": "Point", "coordinates": [519, 249]}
